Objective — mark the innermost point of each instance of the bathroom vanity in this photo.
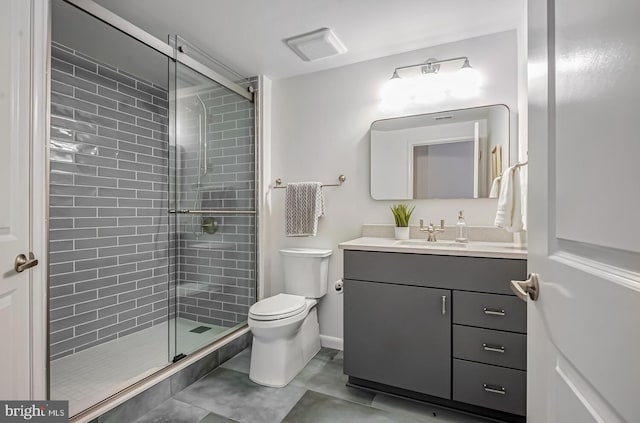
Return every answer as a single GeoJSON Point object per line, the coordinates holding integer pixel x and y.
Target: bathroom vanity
{"type": "Point", "coordinates": [437, 322]}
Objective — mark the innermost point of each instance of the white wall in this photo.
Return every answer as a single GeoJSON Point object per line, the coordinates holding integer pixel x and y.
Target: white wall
{"type": "Point", "coordinates": [523, 85]}
{"type": "Point", "coordinates": [320, 129]}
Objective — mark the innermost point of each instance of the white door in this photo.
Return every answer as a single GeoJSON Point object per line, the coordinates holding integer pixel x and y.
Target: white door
{"type": "Point", "coordinates": [584, 203]}
{"type": "Point", "coordinates": [15, 141]}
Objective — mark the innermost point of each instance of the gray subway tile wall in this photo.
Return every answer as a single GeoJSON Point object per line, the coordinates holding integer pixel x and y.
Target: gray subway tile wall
{"type": "Point", "coordinates": [108, 203]}
{"type": "Point", "coordinates": [217, 272]}
{"type": "Point", "coordinates": [109, 229]}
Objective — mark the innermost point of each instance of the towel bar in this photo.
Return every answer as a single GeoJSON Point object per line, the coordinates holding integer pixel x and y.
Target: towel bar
{"type": "Point", "coordinates": [341, 179]}
{"type": "Point", "coordinates": [172, 211]}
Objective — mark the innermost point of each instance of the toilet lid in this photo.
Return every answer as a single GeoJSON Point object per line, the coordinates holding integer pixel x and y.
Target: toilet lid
{"type": "Point", "coordinates": [277, 307]}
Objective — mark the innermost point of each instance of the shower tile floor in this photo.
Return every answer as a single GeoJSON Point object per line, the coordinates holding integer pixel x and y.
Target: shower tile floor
{"type": "Point", "coordinates": [94, 374]}
{"type": "Point", "coordinates": [318, 394]}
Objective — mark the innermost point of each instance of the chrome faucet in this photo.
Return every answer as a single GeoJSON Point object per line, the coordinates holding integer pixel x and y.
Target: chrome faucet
{"type": "Point", "coordinates": [431, 230]}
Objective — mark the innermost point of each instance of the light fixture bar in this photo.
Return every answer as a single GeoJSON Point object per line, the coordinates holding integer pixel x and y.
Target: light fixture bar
{"type": "Point", "coordinates": [428, 86]}
{"type": "Point", "coordinates": [431, 62]}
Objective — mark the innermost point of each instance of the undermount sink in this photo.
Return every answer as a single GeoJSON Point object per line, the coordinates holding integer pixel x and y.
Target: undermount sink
{"type": "Point", "coordinates": [423, 243]}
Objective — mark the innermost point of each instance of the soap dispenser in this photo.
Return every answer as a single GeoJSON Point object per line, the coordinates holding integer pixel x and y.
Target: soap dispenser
{"type": "Point", "coordinates": [462, 230]}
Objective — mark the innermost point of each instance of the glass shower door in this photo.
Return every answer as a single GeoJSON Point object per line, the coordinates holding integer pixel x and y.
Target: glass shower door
{"type": "Point", "coordinates": [108, 195]}
{"type": "Point", "coordinates": [214, 218]}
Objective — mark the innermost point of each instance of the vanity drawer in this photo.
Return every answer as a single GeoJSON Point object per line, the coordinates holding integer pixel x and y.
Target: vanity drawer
{"type": "Point", "coordinates": [490, 346]}
{"type": "Point", "coordinates": [489, 386]}
{"type": "Point", "coordinates": [502, 312]}
{"type": "Point", "coordinates": [433, 271]}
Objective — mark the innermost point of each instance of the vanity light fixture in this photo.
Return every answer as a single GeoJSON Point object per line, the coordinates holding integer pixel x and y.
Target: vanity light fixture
{"type": "Point", "coordinates": [430, 82]}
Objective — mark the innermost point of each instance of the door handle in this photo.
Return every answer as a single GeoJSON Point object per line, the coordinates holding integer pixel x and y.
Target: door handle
{"type": "Point", "coordinates": [23, 263]}
{"type": "Point", "coordinates": [529, 288]}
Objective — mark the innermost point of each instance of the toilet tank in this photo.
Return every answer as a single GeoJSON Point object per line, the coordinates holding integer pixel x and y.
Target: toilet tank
{"type": "Point", "coordinates": [306, 271]}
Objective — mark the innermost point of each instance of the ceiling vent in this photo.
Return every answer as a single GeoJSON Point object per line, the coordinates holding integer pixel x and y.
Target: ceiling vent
{"type": "Point", "coordinates": [316, 45]}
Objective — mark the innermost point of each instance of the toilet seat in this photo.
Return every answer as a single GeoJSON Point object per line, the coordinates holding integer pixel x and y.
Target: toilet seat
{"type": "Point", "coordinates": [278, 307]}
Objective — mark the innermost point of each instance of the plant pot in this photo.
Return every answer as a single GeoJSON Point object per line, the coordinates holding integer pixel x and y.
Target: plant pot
{"type": "Point", "coordinates": [402, 232]}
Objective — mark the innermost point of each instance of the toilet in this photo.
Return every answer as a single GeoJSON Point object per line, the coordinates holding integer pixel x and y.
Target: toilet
{"type": "Point", "coordinates": [286, 334]}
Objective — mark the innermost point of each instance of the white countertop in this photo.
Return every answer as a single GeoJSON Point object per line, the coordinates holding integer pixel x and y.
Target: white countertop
{"type": "Point", "coordinates": [444, 248]}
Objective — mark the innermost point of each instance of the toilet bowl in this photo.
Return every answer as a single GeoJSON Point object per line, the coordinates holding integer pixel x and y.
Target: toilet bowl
{"type": "Point", "coordinates": [286, 334]}
{"type": "Point", "coordinates": [283, 343]}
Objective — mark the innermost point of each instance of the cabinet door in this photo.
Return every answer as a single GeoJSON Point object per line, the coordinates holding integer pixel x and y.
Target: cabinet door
{"type": "Point", "coordinates": [398, 335]}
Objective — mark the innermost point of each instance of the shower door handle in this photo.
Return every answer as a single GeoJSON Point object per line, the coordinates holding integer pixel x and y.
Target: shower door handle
{"type": "Point", "coordinates": [23, 263]}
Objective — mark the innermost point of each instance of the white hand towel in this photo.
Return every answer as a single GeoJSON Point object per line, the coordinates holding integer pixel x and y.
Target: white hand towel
{"type": "Point", "coordinates": [304, 205]}
{"type": "Point", "coordinates": [495, 187]}
{"type": "Point", "coordinates": [509, 212]}
{"type": "Point", "coordinates": [524, 176]}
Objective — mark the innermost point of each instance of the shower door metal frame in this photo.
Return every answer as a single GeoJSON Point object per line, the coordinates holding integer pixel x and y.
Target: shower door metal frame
{"type": "Point", "coordinates": [121, 24]}
{"type": "Point", "coordinates": [175, 211]}
{"type": "Point", "coordinates": [173, 53]}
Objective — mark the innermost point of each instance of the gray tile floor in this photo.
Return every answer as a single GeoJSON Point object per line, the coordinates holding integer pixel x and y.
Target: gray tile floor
{"type": "Point", "coordinates": [317, 394]}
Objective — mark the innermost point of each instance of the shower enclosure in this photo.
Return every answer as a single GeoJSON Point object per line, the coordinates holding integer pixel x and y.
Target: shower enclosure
{"type": "Point", "coordinates": [152, 206]}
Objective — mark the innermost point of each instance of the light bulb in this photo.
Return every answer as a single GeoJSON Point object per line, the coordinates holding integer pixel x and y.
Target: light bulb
{"type": "Point", "coordinates": [466, 82]}
{"type": "Point", "coordinates": [469, 77]}
{"type": "Point", "coordinates": [395, 93]}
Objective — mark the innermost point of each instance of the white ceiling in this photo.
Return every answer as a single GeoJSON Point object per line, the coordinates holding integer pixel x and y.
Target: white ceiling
{"type": "Point", "coordinates": [247, 34]}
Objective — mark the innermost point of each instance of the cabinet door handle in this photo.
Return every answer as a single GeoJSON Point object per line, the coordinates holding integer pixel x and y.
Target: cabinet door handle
{"type": "Point", "coordinates": [491, 348]}
{"type": "Point", "coordinates": [444, 305]}
{"type": "Point", "coordinates": [494, 389]}
{"type": "Point", "coordinates": [494, 312]}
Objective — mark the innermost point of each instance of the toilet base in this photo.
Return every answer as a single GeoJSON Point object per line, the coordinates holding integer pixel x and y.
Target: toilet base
{"type": "Point", "coordinates": [275, 361]}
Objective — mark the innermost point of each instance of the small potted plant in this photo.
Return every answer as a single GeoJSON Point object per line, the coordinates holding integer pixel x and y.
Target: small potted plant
{"type": "Point", "coordinates": [402, 214]}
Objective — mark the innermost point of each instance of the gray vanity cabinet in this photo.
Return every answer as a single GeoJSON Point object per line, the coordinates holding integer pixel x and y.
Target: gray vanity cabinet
{"type": "Point", "coordinates": [447, 327]}
{"type": "Point", "coordinates": [398, 336]}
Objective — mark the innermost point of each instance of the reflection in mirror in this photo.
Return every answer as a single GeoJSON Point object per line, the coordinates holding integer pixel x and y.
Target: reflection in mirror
{"type": "Point", "coordinates": [454, 154]}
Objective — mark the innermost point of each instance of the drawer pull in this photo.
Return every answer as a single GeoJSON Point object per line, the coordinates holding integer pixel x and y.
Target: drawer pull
{"type": "Point", "coordinates": [494, 312]}
{"type": "Point", "coordinates": [494, 389]}
{"type": "Point", "coordinates": [491, 348]}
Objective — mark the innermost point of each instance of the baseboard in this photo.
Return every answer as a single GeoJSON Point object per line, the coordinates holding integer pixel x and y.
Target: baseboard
{"type": "Point", "coordinates": [332, 342]}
